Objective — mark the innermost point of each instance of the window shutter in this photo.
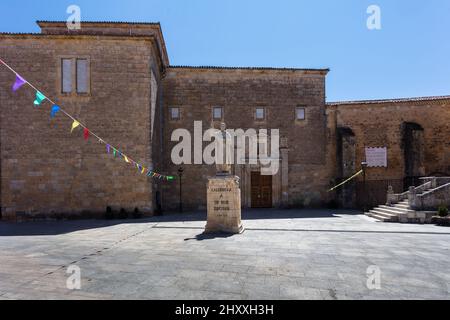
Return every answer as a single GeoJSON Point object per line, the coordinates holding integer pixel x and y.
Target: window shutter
{"type": "Point", "coordinates": [82, 76]}
{"type": "Point", "coordinates": [66, 75]}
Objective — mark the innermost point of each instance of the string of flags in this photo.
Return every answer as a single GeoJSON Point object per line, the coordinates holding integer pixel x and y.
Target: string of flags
{"type": "Point", "coordinates": [55, 109]}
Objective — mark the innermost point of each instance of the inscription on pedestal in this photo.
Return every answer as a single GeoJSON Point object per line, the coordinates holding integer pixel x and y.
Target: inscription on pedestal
{"type": "Point", "coordinates": [224, 205]}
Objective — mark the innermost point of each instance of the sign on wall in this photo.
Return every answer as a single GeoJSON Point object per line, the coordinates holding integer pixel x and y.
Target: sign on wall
{"type": "Point", "coordinates": [376, 157]}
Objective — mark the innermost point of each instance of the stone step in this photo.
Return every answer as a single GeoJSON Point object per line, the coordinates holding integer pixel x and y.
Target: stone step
{"type": "Point", "coordinates": [381, 218]}
{"type": "Point", "coordinates": [376, 213]}
{"type": "Point", "coordinates": [393, 210]}
{"type": "Point", "coordinates": [383, 213]}
{"type": "Point", "coordinates": [402, 205]}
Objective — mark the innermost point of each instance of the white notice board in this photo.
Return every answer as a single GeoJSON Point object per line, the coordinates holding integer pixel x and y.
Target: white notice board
{"type": "Point", "coordinates": [376, 157]}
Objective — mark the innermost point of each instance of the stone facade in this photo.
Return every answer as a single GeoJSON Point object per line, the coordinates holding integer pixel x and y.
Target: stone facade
{"type": "Point", "coordinates": [415, 131]}
{"type": "Point", "coordinates": [195, 91]}
{"type": "Point", "coordinates": [45, 169]}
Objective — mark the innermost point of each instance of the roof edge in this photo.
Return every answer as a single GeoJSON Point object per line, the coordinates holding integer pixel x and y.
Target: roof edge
{"type": "Point", "coordinates": [325, 70]}
{"type": "Point", "coordinates": [39, 22]}
{"type": "Point", "coordinates": [380, 101]}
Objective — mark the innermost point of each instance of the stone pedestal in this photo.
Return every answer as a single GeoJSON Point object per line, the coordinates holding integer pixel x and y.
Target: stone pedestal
{"type": "Point", "coordinates": [224, 205]}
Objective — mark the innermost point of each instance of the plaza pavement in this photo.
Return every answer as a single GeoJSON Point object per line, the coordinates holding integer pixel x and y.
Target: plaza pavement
{"type": "Point", "coordinates": [291, 254]}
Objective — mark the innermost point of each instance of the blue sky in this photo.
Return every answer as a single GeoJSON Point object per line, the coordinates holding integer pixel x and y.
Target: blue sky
{"type": "Point", "coordinates": [409, 56]}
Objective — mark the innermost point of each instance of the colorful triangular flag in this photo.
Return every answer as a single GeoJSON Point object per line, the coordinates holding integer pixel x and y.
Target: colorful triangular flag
{"type": "Point", "coordinates": [55, 109]}
{"type": "Point", "coordinates": [39, 98]}
{"type": "Point", "coordinates": [86, 133]}
{"type": "Point", "coordinates": [19, 82]}
{"type": "Point", "coordinates": [74, 125]}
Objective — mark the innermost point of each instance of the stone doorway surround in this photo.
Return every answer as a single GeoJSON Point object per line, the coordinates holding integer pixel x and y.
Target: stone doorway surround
{"type": "Point", "coordinates": [280, 181]}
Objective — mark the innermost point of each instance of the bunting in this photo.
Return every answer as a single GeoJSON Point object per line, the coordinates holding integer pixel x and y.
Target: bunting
{"type": "Point", "coordinates": [40, 97]}
{"type": "Point", "coordinates": [19, 82]}
{"type": "Point", "coordinates": [86, 133]}
{"type": "Point", "coordinates": [75, 124]}
{"type": "Point", "coordinates": [55, 109]}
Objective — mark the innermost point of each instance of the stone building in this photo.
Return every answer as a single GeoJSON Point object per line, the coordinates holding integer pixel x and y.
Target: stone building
{"type": "Point", "coordinates": [116, 78]}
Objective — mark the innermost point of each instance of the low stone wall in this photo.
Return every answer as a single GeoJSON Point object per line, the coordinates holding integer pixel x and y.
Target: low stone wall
{"type": "Point", "coordinates": [433, 199]}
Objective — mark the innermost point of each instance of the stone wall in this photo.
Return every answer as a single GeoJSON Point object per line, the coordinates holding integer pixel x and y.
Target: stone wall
{"type": "Point", "coordinates": [239, 91]}
{"type": "Point", "coordinates": [382, 124]}
{"type": "Point", "coordinates": [45, 168]}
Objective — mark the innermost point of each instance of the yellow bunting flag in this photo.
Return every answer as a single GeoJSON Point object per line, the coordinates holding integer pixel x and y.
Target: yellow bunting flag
{"type": "Point", "coordinates": [126, 159]}
{"type": "Point", "coordinates": [143, 170]}
{"type": "Point", "coordinates": [74, 125]}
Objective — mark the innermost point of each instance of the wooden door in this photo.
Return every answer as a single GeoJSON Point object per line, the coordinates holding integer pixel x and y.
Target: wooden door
{"type": "Point", "coordinates": [261, 191]}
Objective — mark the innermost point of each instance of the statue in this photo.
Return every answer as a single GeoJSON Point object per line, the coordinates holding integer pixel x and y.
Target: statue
{"type": "Point", "coordinates": [224, 151]}
{"type": "Point", "coordinates": [223, 193]}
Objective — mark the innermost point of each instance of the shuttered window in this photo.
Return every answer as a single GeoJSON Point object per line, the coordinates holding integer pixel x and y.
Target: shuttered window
{"type": "Point", "coordinates": [66, 76]}
{"type": "Point", "coordinates": [75, 77]}
{"type": "Point", "coordinates": [82, 76]}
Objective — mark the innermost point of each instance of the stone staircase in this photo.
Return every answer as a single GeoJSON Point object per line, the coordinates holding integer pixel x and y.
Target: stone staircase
{"type": "Point", "coordinates": [411, 205]}
{"type": "Point", "coordinates": [392, 213]}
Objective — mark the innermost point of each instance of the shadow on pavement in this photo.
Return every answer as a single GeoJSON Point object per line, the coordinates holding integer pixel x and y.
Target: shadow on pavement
{"type": "Point", "coordinates": [210, 236]}
{"type": "Point", "coordinates": [43, 228]}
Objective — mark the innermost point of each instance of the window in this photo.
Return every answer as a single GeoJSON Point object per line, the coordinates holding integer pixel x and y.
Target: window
{"type": "Point", "coordinates": [217, 113]}
{"type": "Point", "coordinates": [82, 76]}
{"type": "Point", "coordinates": [174, 113]}
{"type": "Point", "coordinates": [75, 76]}
{"type": "Point", "coordinates": [300, 113]}
{"type": "Point", "coordinates": [260, 114]}
{"type": "Point", "coordinates": [66, 75]}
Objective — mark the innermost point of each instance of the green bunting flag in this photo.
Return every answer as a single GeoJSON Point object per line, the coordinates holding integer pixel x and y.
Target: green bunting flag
{"type": "Point", "coordinates": [39, 98]}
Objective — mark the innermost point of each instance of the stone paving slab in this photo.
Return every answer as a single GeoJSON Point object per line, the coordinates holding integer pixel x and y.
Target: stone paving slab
{"type": "Point", "coordinates": [309, 254]}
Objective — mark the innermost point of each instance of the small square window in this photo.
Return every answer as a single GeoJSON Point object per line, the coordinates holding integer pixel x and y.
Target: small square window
{"type": "Point", "coordinates": [217, 113]}
{"type": "Point", "coordinates": [174, 113]}
{"type": "Point", "coordinates": [260, 114]}
{"type": "Point", "coordinates": [300, 113]}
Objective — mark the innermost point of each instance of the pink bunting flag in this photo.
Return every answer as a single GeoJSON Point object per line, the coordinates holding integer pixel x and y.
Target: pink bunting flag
{"type": "Point", "coordinates": [19, 82]}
